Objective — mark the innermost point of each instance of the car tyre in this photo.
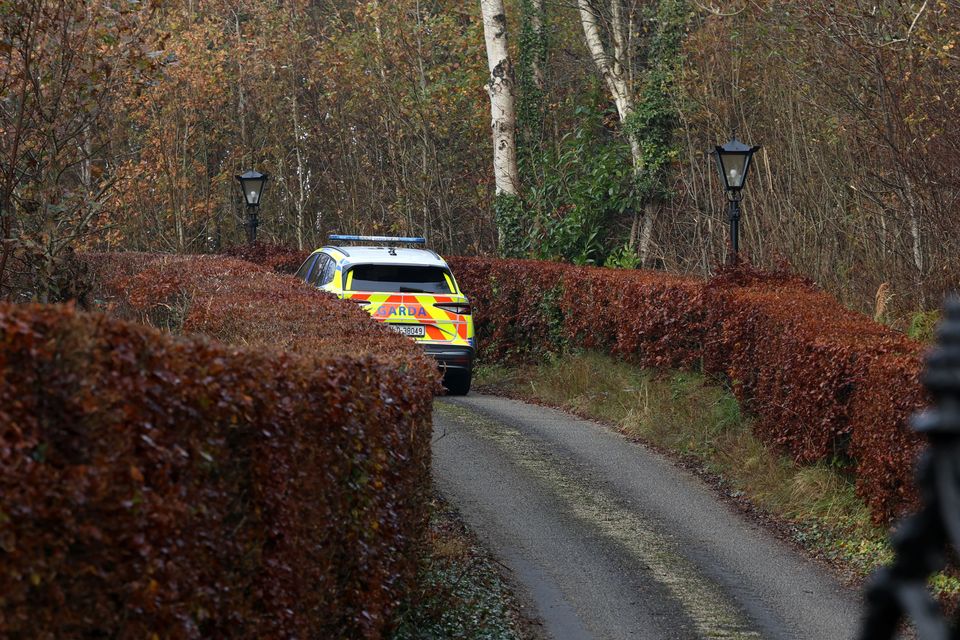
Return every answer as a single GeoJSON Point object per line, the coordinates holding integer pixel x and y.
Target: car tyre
{"type": "Point", "coordinates": [457, 382]}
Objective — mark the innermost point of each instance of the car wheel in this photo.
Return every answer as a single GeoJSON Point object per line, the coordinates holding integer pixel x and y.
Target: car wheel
{"type": "Point", "coordinates": [457, 382]}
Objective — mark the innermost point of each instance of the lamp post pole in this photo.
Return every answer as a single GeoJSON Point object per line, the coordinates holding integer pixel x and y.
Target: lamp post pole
{"type": "Point", "coordinates": [253, 221]}
{"type": "Point", "coordinates": [733, 163]}
{"type": "Point", "coordinates": [735, 197]}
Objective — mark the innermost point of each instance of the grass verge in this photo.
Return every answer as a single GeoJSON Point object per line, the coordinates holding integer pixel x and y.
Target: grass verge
{"type": "Point", "coordinates": [460, 592]}
{"type": "Point", "coordinates": [698, 419]}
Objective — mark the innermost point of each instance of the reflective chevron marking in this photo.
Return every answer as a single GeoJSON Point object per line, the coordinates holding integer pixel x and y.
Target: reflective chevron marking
{"type": "Point", "coordinates": [440, 325]}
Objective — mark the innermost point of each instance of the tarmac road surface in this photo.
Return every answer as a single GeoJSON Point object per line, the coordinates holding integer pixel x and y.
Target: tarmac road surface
{"type": "Point", "coordinates": [610, 540]}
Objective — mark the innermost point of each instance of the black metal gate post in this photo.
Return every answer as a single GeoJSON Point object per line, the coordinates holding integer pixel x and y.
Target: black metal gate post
{"type": "Point", "coordinates": [921, 542]}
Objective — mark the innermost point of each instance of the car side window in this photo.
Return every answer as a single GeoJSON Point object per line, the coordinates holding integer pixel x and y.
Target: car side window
{"type": "Point", "coordinates": [304, 271]}
{"type": "Point", "coordinates": [319, 269]}
{"type": "Point", "coordinates": [330, 268]}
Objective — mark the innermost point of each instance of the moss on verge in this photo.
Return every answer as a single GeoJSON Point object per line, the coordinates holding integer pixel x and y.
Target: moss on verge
{"type": "Point", "coordinates": [460, 593]}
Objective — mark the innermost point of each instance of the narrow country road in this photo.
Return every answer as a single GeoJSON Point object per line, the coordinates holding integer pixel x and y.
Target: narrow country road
{"type": "Point", "coordinates": [611, 541]}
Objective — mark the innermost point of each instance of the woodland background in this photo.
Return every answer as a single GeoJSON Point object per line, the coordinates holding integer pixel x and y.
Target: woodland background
{"type": "Point", "coordinates": [123, 123]}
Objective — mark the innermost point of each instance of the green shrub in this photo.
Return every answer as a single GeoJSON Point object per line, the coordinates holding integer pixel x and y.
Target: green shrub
{"type": "Point", "coordinates": [923, 326]}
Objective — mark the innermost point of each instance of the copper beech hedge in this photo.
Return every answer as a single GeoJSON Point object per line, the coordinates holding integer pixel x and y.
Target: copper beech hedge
{"type": "Point", "coordinates": [269, 483]}
{"type": "Point", "coordinates": [273, 256]}
{"type": "Point", "coordinates": [240, 303]}
{"type": "Point", "coordinates": [825, 383]}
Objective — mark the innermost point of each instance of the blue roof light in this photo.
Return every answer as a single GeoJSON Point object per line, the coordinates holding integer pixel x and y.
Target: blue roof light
{"type": "Point", "coordinates": [400, 240]}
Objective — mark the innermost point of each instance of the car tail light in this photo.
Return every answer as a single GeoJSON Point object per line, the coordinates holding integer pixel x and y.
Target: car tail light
{"type": "Point", "coordinates": [460, 308]}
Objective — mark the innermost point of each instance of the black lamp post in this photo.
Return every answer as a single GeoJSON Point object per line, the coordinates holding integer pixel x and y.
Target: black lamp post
{"type": "Point", "coordinates": [252, 184]}
{"type": "Point", "coordinates": [733, 163]}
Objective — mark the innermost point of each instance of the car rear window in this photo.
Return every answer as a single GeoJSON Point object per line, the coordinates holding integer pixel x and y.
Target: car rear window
{"type": "Point", "coordinates": [397, 278]}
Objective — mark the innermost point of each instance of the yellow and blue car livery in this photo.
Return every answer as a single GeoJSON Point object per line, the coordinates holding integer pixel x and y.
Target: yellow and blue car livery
{"type": "Point", "coordinates": [410, 290]}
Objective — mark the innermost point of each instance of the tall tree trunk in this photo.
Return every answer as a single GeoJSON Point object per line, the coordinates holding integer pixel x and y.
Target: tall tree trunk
{"type": "Point", "coordinates": [537, 62]}
{"type": "Point", "coordinates": [612, 71]}
{"type": "Point", "coordinates": [609, 66]}
{"type": "Point", "coordinates": [502, 101]}
{"type": "Point", "coordinates": [241, 97]}
{"type": "Point", "coordinates": [913, 210]}
{"type": "Point", "coordinates": [650, 211]}
{"type": "Point", "coordinates": [303, 175]}
{"type": "Point", "coordinates": [426, 181]}
{"type": "Point", "coordinates": [378, 32]}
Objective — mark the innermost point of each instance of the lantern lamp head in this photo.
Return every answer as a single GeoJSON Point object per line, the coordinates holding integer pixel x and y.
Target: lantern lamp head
{"type": "Point", "coordinates": [733, 163]}
{"type": "Point", "coordinates": [252, 184]}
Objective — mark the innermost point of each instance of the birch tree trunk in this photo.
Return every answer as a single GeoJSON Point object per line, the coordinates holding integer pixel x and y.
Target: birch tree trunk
{"type": "Point", "coordinates": [610, 66]}
{"type": "Point", "coordinates": [303, 173]}
{"type": "Point", "coordinates": [616, 77]}
{"type": "Point", "coordinates": [537, 62]}
{"type": "Point", "coordinates": [426, 182]}
{"type": "Point", "coordinates": [241, 98]}
{"type": "Point", "coordinates": [502, 100]}
{"type": "Point", "coordinates": [913, 213]}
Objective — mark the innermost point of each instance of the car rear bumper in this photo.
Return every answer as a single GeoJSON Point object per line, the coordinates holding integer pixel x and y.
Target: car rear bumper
{"type": "Point", "coordinates": [451, 357]}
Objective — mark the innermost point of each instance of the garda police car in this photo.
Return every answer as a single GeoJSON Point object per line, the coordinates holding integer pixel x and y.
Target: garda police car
{"type": "Point", "coordinates": [410, 290]}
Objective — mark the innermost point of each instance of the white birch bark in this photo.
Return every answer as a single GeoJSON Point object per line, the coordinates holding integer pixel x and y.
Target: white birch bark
{"type": "Point", "coordinates": [241, 98]}
{"type": "Point", "coordinates": [913, 210]}
{"type": "Point", "coordinates": [607, 65]}
{"type": "Point", "coordinates": [610, 66]}
{"type": "Point", "coordinates": [502, 99]}
{"type": "Point", "coordinates": [303, 172]}
{"type": "Point", "coordinates": [618, 36]}
{"type": "Point", "coordinates": [614, 74]}
{"type": "Point", "coordinates": [378, 31]}
{"type": "Point", "coordinates": [650, 211]}
{"type": "Point", "coordinates": [536, 23]}
{"type": "Point", "coordinates": [424, 132]}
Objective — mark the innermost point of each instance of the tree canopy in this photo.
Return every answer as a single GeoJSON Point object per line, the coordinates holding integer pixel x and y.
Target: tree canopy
{"type": "Point", "coordinates": [123, 124]}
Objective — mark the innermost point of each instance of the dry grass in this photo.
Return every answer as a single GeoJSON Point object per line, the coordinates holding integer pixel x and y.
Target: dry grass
{"type": "Point", "coordinates": [882, 303]}
{"type": "Point", "coordinates": [449, 547]}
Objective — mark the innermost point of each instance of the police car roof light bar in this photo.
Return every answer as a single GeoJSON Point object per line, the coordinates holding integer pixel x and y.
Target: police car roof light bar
{"type": "Point", "coordinates": [399, 240]}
